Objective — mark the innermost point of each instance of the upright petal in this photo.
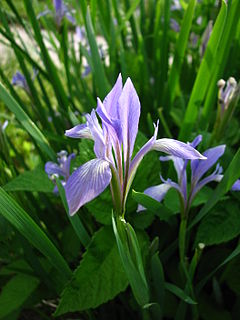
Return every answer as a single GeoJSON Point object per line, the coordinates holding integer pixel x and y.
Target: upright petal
{"type": "Point", "coordinates": [80, 131]}
{"type": "Point", "coordinates": [66, 165]}
{"type": "Point", "coordinates": [177, 149]}
{"type": "Point", "coordinates": [111, 100]}
{"type": "Point", "coordinates": [86, 183]}
{"type": "Point", "coordinates": [53, 168]}
{"type": "Point", "coordinates": [199, 168]}
{"type": "Point", "coordinates": [58, 5]}
{"type": "Point", "coordinates": [156, 192]}
{"type": "Point", "coordinates": [178, 164]}
{"type": "Point", "coordinates": [97, 133]}
{"type": "Point", "coordinates": [129, 113]}
{"type": "Point", "coordinates": [196, 141]}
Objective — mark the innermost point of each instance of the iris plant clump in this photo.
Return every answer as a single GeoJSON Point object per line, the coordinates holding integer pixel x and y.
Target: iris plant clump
{"type": "Point", "coordinates": [198, 181]}
{"type": "Point", "coordinates": [113, 146]}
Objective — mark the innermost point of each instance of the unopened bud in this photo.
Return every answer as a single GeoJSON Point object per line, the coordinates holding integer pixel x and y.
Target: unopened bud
{"type": "Point", "coordinates": [221, 83]}
{"type": "Point", "coordinates": [201, 246]}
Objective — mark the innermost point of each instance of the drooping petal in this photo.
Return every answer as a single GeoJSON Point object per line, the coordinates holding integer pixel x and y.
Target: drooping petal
{"type": "Point", "coordinates": [80, 131]}
{"type": "Point", "coordinates": [199, 168]}
{"type": "Point", "coordinates": [53, 168]}
{"type": "Point", "coordinates": [177, 149]}
{"type": "Point", "coordinates": [129, 113]}
{"type": "Point", "coordinates": [70, 17]}
{"type": "Point", "coordinates": [86, 183]}
{"type": "Point", "coordinates": [111, 100]}
{"type": "Point", "coordinates": [156, 192]}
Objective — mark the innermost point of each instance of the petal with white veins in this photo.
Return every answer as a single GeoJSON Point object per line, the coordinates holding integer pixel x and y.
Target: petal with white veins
{"type": "Point", "coordinates": [81, 131]}
{"type": "Point", "coordinates": [86, 183]}
{"type": "Point", "coordinates": [177, 149]}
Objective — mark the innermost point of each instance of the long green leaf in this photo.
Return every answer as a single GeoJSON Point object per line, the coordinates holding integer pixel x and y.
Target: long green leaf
{"type": "Point", "coordinates": [26, 122]}
{"type": "Point", "coordinates": [10, 209]}
{"type": "Point", "coordinates": [179, 55]}
{"type": "Point", "coordinates": [98, 70]}
{"type": "Point", "coordinates": [207, 68]}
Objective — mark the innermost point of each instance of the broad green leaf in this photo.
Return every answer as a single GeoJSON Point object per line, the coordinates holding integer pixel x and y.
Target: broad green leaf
{"type": "Point", "coordinates": [35, 180]}
{"type": "Point", "coordinates": [231, 275]}
{"type": "Point", "coordinates": [16, 292]}
{"type": "Point", "coordinates": [220, 225]}
{"type": "Point", "coordinates": [152, 205]}
{"type": "Point", "coordinates": [26, 122]}
{"type": "Point", "coordinates": [207, 68]}
{"type": "Point", "coordinates": [99, 277]}
{"type": "Point", "coordinates": [76, 222]}
{"type": "Point", "coordinates": [11, 210]}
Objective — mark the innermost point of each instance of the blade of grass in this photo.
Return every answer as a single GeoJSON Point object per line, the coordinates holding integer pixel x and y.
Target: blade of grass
{"type": "Point", "coordinates": [10, 209]}
{"type": "Point", "coordinates": [204, 75]}
{"type": "Point", "coordinates": [26, 122]}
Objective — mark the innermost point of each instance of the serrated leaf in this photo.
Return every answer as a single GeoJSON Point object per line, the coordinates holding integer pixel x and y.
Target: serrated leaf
{"type": "Point", "coordinates": [16, 292]}
{"type": "Point", "coordinates": [35, 180]}
{"type": "Point", "coordinates": [99, 277]}
{"type": "Point", "coordinates": [221, 225]}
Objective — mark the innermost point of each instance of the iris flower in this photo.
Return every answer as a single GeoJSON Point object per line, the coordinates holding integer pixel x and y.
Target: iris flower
{"type": "Point", "coordinates": [113, 146]}
{"type": "Point", "coordinates": [198, 181]}
{"type": "Point", "coordinates": [60, 169]}
{"type": "Point", "coordinates": [61, 11]}
{"type": "Point", "coordinates": [19, 80]}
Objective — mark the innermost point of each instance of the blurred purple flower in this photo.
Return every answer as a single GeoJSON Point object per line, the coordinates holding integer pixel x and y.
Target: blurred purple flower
{"type": "Point", "coordinates": [113, 146]}
{"type": "Point", "coordinates": [60, 169]}
{"type": "Point", "coordinates": [19, 80]}
{"type": "Point", "coordinates": [174, 25]}
{"type": "Point", "coordinates": [198, 181]}
{"type": "Point", "coordinates": [60, 12]}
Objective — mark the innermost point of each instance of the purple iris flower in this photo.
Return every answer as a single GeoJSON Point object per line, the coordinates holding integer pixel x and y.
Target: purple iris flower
{"type": "Point", "coordinates": [113, 146]}
{"type": "Point", "coordinates": [198, 181]}
{"type": "Point", "coordinates": [60, 169]}
{"type": "Point", "coordinates": [19, 80]}
{"type": "Point", "coordinates": [61, 11]}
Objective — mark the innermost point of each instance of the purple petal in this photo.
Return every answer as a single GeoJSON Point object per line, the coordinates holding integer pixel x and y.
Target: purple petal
{"type": "Point", "coordinates": [129, 113]}
{"type": "Point", "coordinates": [111, 100]}
{"type": "Point", "coordinates": [80, 131]}
{"type": "Point", "coordinates": [19, 80]}
{"type": "Point", "coordinates": [53, 168]}
{"type": "Point", "coordinates": [138, 158]}
{"type": "Point", "coordinates": [156, 192]}
{"type": "Point", "coordinates": [86, 183]}
{"type": "Point", "coordinates": [236, 186]}
{"type": "Point", "coordinates": [70, 17]}
{"type": "Point", "coordinates": [66, 165]}
{"type": "Point", "coordinates": [44, 13]}
{"type": "Point", "coordinates": [215, 176]}
{"type": "Point", "coordinates": [58, 5]}
{"type": "Point", "coordinates": [199, 168]}
{"type": "Point", "coordinates": [196, 141]}
{"type": "Point", "coordinates": [97, 133]}
{"type": "Point", "coordinates": [177, 149]}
